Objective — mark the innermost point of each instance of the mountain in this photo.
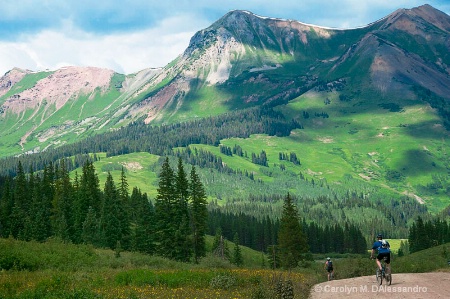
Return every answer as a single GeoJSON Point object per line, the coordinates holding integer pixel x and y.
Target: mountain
{"type": "Point", "coordinates": [372, 101]}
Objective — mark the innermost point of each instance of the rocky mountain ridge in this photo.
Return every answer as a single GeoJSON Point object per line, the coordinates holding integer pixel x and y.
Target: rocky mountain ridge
{"type": "Point", "coordinates": [240, 61]}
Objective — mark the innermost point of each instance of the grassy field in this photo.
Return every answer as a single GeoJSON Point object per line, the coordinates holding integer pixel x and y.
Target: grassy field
{"type": "Point", "coordinates": [57, 270]}
{"type": "Point", "coordinates": [395, 244]}
{"type": "Point", "coordinates": [381, 166]}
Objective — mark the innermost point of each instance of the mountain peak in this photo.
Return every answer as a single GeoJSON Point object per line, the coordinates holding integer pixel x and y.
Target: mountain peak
{"type": "Point", "coordinates": [433, 15]}
{"type": "Point", "coordinates": [427, 13]}
{"type": "Point", "coordinates": [235, 18]}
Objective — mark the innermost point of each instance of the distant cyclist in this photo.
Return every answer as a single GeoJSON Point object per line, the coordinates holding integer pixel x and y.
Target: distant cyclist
{"type": "Point", "coordinates": [329, 268]}
{"type": "Point", "coordinates": [383, 249]}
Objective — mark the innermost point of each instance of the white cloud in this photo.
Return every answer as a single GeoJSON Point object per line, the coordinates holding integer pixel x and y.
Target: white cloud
{"type": "Point", "coordinates": [124, 52]}
{"type": "Point", "coordinates": [54, 33]}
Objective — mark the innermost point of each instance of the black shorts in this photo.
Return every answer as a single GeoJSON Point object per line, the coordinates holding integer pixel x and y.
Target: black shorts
{"type": "Point", "coordinates": [380, 256]}
{"type": "Point", "coordinates": [330, 270]}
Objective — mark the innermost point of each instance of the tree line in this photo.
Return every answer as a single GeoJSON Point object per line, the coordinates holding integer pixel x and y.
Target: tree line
{"type": "Point", "coordinates": [426, 234]}
{"type": "Point", "coordinates": [49, 204]}
{"type": "Point", "coordinates": [343, 210]}
{"type": "Point", "coordinates": [260, 233]}
{"type": "Point", "coordinates": [160, 140]}
{"type": "Point", "coordinates": [291, 243]}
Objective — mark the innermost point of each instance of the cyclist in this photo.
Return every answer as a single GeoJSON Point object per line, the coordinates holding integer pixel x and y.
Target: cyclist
{"type": "Point", "coordinates": [329, 268]}
{"type": "Point", "coordinates": [383, 249]}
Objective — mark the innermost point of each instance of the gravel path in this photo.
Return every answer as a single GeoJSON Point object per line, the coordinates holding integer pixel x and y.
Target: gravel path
{"type": "Point", "coordinates": [407, 286]}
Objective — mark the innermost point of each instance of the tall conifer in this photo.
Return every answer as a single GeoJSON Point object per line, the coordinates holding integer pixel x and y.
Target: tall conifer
{"type": "Point", "coordinates": [90, 229]}
{"type": "Point", "coordinates": [165, 209]}
{"type": "Point", "coordinates": [88, 195]}
{"type": "Point", "coordinates": [199, 215]}
{"type": "Point", "coordinates": [62, 205]}
{"type": "Point", "coordinates": [237, 254]}
{"type": "Point", "coordinates": [21, 200]}
{"type": "Point", "coordinates": [142, 220]}
{"type": "Point", "coordinates": [110, 222]}
{"type": "Point", "coordinates": [291, 239]}
{"type": "Point", "coordinates": [182, 238]}
{"type": "Point", "coordinates": [124, 211]}
{"type": "Point", "coordinates": [6, 208]}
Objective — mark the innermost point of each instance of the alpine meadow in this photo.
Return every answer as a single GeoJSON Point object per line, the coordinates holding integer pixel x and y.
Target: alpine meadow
{"type": "Point", "coordinates": [236, 169]}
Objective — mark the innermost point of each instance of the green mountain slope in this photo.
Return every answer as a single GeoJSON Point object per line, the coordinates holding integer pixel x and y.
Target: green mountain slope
{"type": "Point", "coordinates": [365, 110]}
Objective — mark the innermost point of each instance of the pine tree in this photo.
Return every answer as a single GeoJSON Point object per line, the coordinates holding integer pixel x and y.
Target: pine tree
{"type": "Point", "coordinates": [21, 201]}
{"type": "Point", "coordinates": [62, 205]}
{"type": "Point", "coordinates": [6, 208]}
{"type": "Point", "coordinates": [419, 237]}
{"type": "Point", "coordinates": [182, 240]}
{"type": "Point", "coordinates": [90, 232]}
{"type": "Point", "coordinates": [199, 215]}
{"type": "Point", "coordinates": [291, 239]}
{"type": "Point", "coordinates": [90, 184]}
{"type": "Point", "coordinates": [47, 191]}
{"type": "Point", "coordinates": [142, 219]}
{"type": "Point", "coordinates": [182, 186]}
{"type": "Point", "coordinates": [237, 254]}
{"type": "Point", "coordinates": [124, 210]}
{"type": "Point", "coordinates": [413, 238]}
{"type": "Point", "coordinates": [39, 212]}
{"type": "Point", "coordinates": [88, 195]}
{"type": "Point", "coordinates": [29, 223]}
{"type": "Point", "coordinates": [110, 223]}
{"type": "Point", "coordinates": [165, 210]}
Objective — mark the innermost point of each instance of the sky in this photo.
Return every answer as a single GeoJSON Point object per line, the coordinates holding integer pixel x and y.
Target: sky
{"type": "Point", "coordinates": [129, 36]}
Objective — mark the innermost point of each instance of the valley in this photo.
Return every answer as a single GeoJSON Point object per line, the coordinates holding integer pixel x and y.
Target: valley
{"type": "Point", "coordinates": [182, 181]}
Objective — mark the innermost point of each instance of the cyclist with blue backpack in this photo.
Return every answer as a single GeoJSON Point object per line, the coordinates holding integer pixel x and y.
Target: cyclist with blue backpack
{"type": "Point", "coordinates": [383, 251]}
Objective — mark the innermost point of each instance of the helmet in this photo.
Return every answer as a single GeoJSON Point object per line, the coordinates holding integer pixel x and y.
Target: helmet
{"type": "Point", "coordinates": [328, 259]}
{"type": "Point", "coordinates": [380, 236]}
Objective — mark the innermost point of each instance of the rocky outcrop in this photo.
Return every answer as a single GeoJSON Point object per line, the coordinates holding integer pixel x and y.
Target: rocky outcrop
{"type": "Point", "coordinates": [60, 86]}
{"type": "Point", "coordinates": [10, 78]}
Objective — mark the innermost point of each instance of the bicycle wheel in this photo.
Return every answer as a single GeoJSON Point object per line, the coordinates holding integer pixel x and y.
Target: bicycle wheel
{"type": "Point", "coordinates": [379, 277]}
{"type": "Point", "coordinates": [389, 279]}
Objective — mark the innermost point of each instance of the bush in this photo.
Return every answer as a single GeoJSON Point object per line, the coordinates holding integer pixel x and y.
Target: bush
{"type": "Point", "coordinates": [13, 258]}
{"type": "Point", "coordinates": [223, 281]}
{"type": "Point", "coordinates": [12, 262]}
{"type": "Point", "coordinates": [54, 254]}
{"type": "Point", "coordinates": [284, 289]}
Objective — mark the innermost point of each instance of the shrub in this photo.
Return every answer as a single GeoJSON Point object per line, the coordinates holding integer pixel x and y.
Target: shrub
{"type": "Point", "coordinates": [223, 281]}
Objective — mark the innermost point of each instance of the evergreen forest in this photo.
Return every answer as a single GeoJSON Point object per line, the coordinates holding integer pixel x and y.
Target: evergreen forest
{"type": "Point", "coordinates": [41, 200]}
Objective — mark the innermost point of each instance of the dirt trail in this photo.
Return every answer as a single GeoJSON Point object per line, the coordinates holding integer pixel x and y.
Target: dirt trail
{"type": "Point", "coordinates": [410, 285]}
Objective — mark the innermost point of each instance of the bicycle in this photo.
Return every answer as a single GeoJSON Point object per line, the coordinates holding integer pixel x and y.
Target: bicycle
{"type": "Point", "coordinates": [382, 274]}
{"type": "Point", "coordinates": [331, 275]}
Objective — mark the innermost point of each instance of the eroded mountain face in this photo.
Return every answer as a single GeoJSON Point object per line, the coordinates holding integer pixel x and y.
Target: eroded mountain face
{"type": "Point", "coordinates": [10, 79]}
{"type": "Point", "coordinates": [240, 61]}
{"type": "Point", "coordinates": [58, 88]}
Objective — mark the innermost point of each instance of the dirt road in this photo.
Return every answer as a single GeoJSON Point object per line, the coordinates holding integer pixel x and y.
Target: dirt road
{"type": "Point", "coordinates": [406, 286]}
